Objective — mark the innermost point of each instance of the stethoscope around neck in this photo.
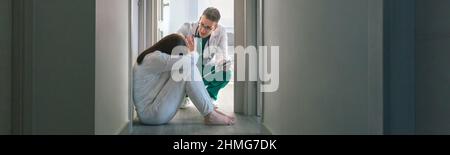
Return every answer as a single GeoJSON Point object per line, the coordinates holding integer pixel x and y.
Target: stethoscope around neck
{"type": "Point", "coordinates": [197, 35]}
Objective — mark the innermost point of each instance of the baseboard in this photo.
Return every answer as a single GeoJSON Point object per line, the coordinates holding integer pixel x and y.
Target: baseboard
{"type": "Point", "coordinates": [125, 130]}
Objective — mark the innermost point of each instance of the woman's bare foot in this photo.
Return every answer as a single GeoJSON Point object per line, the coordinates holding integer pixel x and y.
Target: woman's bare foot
{"type": "Point", "coordinates": [232, 117]}
{"type": "Point", "coordinates": [215, 118]}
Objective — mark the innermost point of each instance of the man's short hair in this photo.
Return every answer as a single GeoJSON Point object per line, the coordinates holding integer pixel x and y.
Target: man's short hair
{"type": "Point", "coordinates": [212, 14]}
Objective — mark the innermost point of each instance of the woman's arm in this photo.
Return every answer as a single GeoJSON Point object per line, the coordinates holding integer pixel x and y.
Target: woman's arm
{"type": "Point", "coordinates": [223, 45]}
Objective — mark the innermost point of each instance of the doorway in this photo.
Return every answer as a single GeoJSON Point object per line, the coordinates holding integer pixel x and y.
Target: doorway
{"type": "Point", "coordinates": [153, 19]}
{"type": "Point", "coordinates": [174, 13]}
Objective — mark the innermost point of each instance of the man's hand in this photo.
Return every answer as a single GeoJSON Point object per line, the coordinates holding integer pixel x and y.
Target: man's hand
{"type": "Point", "coordinates": [190, 43]}
{"type": "Point", "coordinates": [224, 65]}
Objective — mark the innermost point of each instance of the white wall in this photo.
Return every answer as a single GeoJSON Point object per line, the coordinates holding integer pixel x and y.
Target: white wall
{"type": "Point", "coordinates": [76, 66]}
{"type": "Point", "coordinates": [181, 12]}
{"type": "Point", "coordinates": [226, 8]}
{"type": "Point", "coordinates": [5, 67]}
{"type": "Point", "coordinates": [432, 67]}
{"type": "Point", "coordinates": [324, 74]}
{"type": "Point", "coordinates": [111, 67]}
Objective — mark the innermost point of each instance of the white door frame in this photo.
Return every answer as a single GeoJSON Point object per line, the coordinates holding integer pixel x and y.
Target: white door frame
{"type": "Point", "coordinates": [248, 98]}
{"type": "Point", "coordinates": [245, 32]}
{"type": "Point", "coordinates": [260, 42]}
{"type": "Point", "coordinates": [142, 35]}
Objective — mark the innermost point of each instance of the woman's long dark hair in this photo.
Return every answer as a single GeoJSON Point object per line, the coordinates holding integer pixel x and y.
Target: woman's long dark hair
{"type": "Point", "coordinates": [165, 45]}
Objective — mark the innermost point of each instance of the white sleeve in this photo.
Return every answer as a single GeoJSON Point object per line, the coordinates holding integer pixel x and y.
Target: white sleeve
{"type": "Point", "coordinates": [222, 54]}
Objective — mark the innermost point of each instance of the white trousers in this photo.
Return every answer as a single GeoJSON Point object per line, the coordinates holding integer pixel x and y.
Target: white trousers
{"type": "Point", "coordinates": [166, 105]}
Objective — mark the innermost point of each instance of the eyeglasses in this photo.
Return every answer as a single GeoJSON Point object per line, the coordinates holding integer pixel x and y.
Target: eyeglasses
{"type": "Point", "coordinates": [206, 27]}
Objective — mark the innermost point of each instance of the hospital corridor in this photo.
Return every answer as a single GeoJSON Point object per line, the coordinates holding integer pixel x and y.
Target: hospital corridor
{"type": "Point", "coordinates": [290, 67]}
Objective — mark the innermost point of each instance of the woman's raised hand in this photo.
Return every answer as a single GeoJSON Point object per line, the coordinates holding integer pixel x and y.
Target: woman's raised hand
{"type": "Point", "coordinates": [190, 43]}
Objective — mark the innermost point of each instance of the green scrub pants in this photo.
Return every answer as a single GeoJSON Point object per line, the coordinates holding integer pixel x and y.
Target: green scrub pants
{"type": "Point", "coordinates": [214, 86]}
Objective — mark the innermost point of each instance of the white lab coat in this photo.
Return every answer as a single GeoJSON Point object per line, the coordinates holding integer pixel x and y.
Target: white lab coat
{"type": "Point", "coordinates": [216, 51]}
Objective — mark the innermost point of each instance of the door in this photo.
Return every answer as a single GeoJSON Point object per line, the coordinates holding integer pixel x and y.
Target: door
{"type": "Point", "coordinates": [5, 67]}
{"type": "Point", "coordinates": [163, 18]}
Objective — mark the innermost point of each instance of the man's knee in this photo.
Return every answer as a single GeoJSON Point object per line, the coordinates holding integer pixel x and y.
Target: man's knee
{"type": "Point", "coordinates": [219, 79]}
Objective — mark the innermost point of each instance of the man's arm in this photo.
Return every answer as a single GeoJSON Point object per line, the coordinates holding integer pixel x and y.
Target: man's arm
{"type": "Point", "coordinates": [185, 30]}
{"type": "Point", "coordinates": [222, 56]}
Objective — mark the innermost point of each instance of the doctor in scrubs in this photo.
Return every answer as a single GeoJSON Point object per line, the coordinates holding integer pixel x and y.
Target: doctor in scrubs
{"type": "Point", "coordinates": [211, 44]}
{"type": "Point", "coordinates": [157, 96]}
